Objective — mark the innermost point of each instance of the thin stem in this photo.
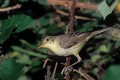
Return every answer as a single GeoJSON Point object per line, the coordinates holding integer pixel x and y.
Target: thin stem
{"type": "Point", "coordinates": [72, 10]}
{"type": "Point", "coordinates": [53, 75]}
{"type": "Point", "coordinates": [67, 75]}
{"type": "Point", "coordinates": [67, 3]}
{"type": "Point", "coordinates": [10, 8]}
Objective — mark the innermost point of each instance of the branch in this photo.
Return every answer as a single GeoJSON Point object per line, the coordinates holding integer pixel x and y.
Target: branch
{"type": "Point", "coordinates": [10, 8]}
{"type": "Point", "coordinates": [76, 17]}
{"type": "Point", "coordinates": [53, 75]}
{"type": "Point", "coordinates": [67, 3]}
{"type": "Point", "coordinates": [84, 74]}
{"type": "Point", "coordinates": [45, 62]}
{"type": "Point", "coordinates": [67, 75]}
{"type": "Point", "coordinates": [48, 74]}
{"type": "Point", "coordinates": [72, 11]}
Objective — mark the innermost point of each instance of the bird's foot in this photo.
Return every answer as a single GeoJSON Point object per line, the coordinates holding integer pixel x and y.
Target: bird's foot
{"type": "Point", "coordinates": [66, 69]}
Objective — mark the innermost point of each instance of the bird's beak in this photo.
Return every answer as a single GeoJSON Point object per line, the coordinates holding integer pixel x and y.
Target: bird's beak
{"type": "Point", "coordinates": [42, 45]}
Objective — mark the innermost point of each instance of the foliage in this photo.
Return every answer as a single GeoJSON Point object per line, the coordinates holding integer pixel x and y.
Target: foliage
{"type": "Point", "coordinates": [17, 22]}
{"type": "Point", "coordinates": [106, 10]}
{"type": "Point", "coordinates": [112, 73]}
{"type": "Point", "coordinates": [10, 70]}
{"type": "Point", "coordinates": [22, 30]}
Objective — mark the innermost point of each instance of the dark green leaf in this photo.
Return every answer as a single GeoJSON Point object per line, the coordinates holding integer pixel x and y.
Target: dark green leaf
{"type": "Point", "coordinates": [17, 22]}
{"type": "Point", "coordinates": [112, 73]}
{"type": "Point", "coordinates": [110, 2]}
{"type": "Point", "coordinates": [23, 0]}
{"type": "Point", "coordinates": [86, 27]}
{"type": "Point", "coordinates": [6, 3]}
{"type": "Point", "coordinates": [4, 36]}
{"type": "Point", "coordinates": [10, 70]}
{"type": "Point", "coordinates": [24, 22]}
{"type": "Point", "coordinates": [54, 29]}
{"type": "Point", "coordinates": [43, 2]}
{"type": "Point", "coordinates": [1, 1]}
{"type": "Point", "coordinates": [44, 21]}
{"type": "Point", "coordinates": [29, 52]}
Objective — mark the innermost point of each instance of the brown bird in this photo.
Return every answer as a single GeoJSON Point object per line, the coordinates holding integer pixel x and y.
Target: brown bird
{"type": "Point", "coordinates": [69, 44]}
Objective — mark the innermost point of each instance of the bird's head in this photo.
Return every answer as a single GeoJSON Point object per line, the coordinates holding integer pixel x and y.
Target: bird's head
{"type": "Point", "coordinates": [48, 42]}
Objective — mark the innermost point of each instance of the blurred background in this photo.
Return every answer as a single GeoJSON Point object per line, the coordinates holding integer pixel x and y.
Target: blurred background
{"type": "Point", "coordinates": [24, 23]}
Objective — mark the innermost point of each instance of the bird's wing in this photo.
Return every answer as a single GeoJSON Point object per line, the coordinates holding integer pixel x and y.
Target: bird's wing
{"type": "Point", "coordinates": [67, 41]}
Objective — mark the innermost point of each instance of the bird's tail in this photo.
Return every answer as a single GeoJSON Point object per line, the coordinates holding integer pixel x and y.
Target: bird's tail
{"type": "Point", "coordinates": [98, 32]}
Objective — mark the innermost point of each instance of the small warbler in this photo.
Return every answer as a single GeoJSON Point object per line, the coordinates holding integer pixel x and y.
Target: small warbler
{"type": "Point", "coordinates": [69, 44]}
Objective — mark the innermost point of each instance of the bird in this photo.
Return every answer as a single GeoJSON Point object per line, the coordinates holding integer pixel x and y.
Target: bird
{"type": "Point", "coordinates": [69, 44]}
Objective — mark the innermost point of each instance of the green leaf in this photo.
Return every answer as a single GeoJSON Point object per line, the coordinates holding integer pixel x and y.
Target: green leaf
{"type": "Point", "coordinates": [117, 44]}
{"type": "Point", "coordinates": [110, 2]}
{"type": "Point", "coordinates": [23, 0]}
{"type": "Point", "coordinates": [24, 59]}
{"type": "Point", "coordinates": [104, 48]}
{"type": "Point", "coordinates": [44, 21]}
{"type": "Point", "coordinates": [53, 29]}
{"type": "Point", "coordinates": [112, 73]}
{"type": "Point", "coordinates": [95, 58]}
{"type": "Point", "coordinates": [105, 10]}
{"type": "Point", "coordinates": [17, 22]}
{"type": "Point", "coordinates": [86, 27]}
{"type": "Point", "coordinates": [24, 22]}
{"type": "Point", "coordinates": [6, 3]}
{"type": "Point", "coordinates": [43, 2]}
{"type": "Point", "coordinates": [10, 70]}
{"type": "Point", "coordinates": [4, 36]}
{"type": "Point", "coordinates": [29, 52]}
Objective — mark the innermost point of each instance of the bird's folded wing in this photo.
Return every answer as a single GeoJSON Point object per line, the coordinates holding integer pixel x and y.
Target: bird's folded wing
{"type": "Point", "coordinates": [67, 41]}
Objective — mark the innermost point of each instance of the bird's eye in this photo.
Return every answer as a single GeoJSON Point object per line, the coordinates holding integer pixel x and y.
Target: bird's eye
{"type": "Point", "coordinates": [47, 39]}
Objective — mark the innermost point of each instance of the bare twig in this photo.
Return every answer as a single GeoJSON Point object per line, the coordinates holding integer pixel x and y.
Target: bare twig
{"type": "Point", "coordinates": [48, 74]}
{"type": "Point", "coordinates": [76, 17]}
{"type": "Point", "coordinates": [67, 75]}
{"type": "Point", "coordinates": [67, 3]}
{"type": "Point", "coordinates": [45, 62]}
{"type": "Point", "coordinates": [53, 75]}
{"type": "Point", "coordinates": [10, 8]}
{"type": "Point", "coordinates": [84, 74]}
{"type": "Point", "coordinates": [72, 10]}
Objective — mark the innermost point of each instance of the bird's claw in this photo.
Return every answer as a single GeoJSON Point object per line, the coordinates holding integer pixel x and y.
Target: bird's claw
{"type": "Point", "coordinates": [66, 69]}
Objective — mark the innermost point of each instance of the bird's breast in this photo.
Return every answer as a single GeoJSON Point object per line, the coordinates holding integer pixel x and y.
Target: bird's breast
{"type": "Point", "coordinates": [59, 51]}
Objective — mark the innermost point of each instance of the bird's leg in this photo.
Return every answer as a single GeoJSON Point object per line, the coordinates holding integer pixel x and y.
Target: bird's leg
{"type": "Point", "coordinates": [79, 60]}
